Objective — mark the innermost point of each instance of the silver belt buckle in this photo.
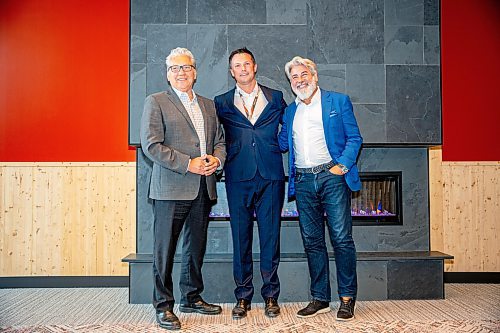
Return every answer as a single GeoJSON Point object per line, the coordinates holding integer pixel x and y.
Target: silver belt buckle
{"type": "Point", "coordinates": [317, 169]}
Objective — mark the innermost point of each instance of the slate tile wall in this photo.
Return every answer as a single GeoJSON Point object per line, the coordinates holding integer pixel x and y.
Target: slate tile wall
{"type": "Point", "coordinates": [385, 54]}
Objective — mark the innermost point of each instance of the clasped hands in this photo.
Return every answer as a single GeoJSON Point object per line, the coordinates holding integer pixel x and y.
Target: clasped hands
{"type": "Point", "coordinates": [204, 165]}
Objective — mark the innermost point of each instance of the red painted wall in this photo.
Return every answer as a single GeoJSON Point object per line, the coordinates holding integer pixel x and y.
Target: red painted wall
{"type": "Point", "coordinates": [64, 80]}
{"type": "Point", "coordinates": [470, 53]}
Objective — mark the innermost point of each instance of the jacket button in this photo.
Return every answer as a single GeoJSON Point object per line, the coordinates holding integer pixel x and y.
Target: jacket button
{"type": "Point", "coordinates": [253, 144]}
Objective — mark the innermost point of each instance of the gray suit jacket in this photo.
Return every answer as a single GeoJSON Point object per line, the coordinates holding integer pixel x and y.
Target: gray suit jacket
{"type": "Point", "coordinates": [169, 139]}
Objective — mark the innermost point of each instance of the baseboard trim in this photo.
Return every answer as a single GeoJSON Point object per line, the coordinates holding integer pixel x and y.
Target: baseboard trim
{"type": "Point", "coordinates": [64, 282]}
{"type": "Point", "coordinates": [471, 277]}
{"type": "Point", "coordinates": [123, 281]}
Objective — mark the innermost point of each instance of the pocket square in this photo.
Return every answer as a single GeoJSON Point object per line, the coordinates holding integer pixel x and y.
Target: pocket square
{"type": "Point", "coordinates": [333, 113]}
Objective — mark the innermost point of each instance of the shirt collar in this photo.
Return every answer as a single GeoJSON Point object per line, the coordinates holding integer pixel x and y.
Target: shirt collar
{"type": "Point", "coordinates": [243, 93]}
{"type": "Point", "coordinates": [183, 96]}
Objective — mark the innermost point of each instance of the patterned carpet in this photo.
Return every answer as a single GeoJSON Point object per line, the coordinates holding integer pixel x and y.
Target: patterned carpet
{"type": "Point", "coordinates": [106, 310]}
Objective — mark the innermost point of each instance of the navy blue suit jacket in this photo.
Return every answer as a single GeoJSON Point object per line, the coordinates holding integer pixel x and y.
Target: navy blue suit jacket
{"type": "Point", "coordinates": [252, 147]}
{"type": "Point", "coordinates": [343, 139]}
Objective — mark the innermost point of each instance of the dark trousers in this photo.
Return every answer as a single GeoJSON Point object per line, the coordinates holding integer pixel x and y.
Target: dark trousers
{"type": "Point", "coordinates": [170, 218]}
{"type": "Point", "coordinates": [264, 198]}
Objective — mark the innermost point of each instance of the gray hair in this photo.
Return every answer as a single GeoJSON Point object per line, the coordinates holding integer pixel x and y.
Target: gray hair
{"type": "Point", "coordinates": [297, 61]}
{"type": "Point", "coordinates": [179, 51]}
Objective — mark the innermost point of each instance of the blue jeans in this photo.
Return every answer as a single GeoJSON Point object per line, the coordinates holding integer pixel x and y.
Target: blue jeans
{"type": "Point", "coordinates": [316, 195]}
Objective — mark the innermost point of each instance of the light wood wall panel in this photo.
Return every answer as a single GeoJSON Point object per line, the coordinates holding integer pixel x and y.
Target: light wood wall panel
{"type": "Point", "coordinates": [465, 213]}
{"type": "Point", "coordinates": [78, 219]}
{"type": "Point", "coordinates": [66, 219]}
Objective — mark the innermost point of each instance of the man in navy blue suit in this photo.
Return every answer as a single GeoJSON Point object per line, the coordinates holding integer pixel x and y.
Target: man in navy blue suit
{"type": "Point", "coordinates": [321, 134]}
{"type": "Point", "coordinates": [251, 114]}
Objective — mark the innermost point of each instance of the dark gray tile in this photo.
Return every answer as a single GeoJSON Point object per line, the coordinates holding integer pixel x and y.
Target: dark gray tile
{"type": "Point", "coordinates": [418, 279]}
{"type": "Point", "coordinates": [371, 121]}
{"type": "Point", "coordinates": [138, 43]}
{"type": "Point", "coordinates": [270, 60]}
{"type": "Point", "coordinates": [136, 102]}
{"type": "Point", "coordinates": [156, 79]}
{"type": "Point", "coordinates": [332, 77]}
{"type": "Point", "coordinates": [432, 50]}
{"type": "Point", "coordinates": [227, 11]}
{"type": "Point", "coordinates": [218, 279]}
{"type": "Point", "coordinates": [431, 12]}
{"type": "Point", "coordinates": [404, 45]}
{"type": "Point", "coordinates": [403, 238]}
{"type": "Point", "coordinates": [141, 283]}
{"type": "Point", "coordinates": [346, 31]}
{"type": "Point", "coordinates": [221, 208]}
{"type": "Point", "coordinates": [365, 238]}
{"type": "Point", "coordinates": [294, 281]}
{"type": "Point", "coordinates": [219, 233]}
{"type": "Point", "coordinates": [158, 11]}
{"type": "Point", "coordinates": [404, 12]}
{"type": "Point", "coordinates": [413, 235]}
{"type": "Point", "coordinates": [291, 240]}
{"type": "Point", "coordinates": [413, 104]}
{"type": "Point", "coordinates": [365, 83]}
{"type": "Point", "coordinates": [372, 280]}
{"type": "Point", "coordinates": [144, 222]}
{"type": "Point", "coordinates": [162, 38]}
{"type": "Point", "coordinates": [209, 45]}
{"type": "Point", "coordinates": [286, 12]}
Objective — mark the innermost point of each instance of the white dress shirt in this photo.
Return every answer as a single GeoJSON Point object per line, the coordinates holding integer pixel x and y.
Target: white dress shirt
{"type": "Point", "coordinates": [248, 100]}
{"type": "Point", "coordinates": [308, 134]}
{"type": "Point", "coordinates": [193, 109]}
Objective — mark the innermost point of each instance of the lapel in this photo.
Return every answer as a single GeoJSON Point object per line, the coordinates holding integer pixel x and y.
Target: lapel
{"type": "Point", "coordinates": [172, 96]}
{"type": "Point", "coordinates": [269, 97]}
{"type": "Point", "coordinates": [327, 112]}
{"type": "Point", "coordinates": [326, 106]}
{"type": "Point", "coordinates": [291, 116]}
{"type": "Point", "coordinates": [232, 109]}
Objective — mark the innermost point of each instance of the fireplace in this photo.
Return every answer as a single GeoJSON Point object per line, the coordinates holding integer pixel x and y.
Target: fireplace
{"type": "Point", "coordinates": [378, 202]}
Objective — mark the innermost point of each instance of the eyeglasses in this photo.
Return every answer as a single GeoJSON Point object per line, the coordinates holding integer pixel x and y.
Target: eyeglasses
{"type": "Point", "coordinates": [177, 68]}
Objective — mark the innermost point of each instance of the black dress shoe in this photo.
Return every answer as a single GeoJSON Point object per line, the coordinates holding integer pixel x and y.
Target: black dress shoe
{"type": "Point", "coordinates": [241, 308]}
{"type": "Point", "coordinates": [200, 307]}
{"type": "Point", "coordinates": [167, 319]}
{"type": "Point", "coordinates": [272, 308]}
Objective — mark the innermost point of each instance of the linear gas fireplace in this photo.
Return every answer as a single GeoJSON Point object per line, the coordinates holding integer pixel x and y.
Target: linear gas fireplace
{"type": "Point", "coordinates": [379, 201]}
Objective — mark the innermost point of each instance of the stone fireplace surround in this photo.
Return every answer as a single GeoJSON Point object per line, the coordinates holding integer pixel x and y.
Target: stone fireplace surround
{"type": "Point", "coordinates": [394, 261]}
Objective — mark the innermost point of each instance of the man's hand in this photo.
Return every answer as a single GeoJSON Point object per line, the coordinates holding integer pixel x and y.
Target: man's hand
{"type": "Point", "coordinates": [211, 164]}
{"type": "Point", "coordinates": [197, 165]}
{"type": "Point", "coordinates": [336, 170]}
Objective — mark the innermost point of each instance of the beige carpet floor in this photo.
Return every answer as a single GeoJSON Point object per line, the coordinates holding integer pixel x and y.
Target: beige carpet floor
{"type": "Point", "coordinates": [466, 308]}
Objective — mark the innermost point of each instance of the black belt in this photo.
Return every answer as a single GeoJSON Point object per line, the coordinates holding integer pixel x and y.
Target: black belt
{"type": "Point", "coordinates": [317, 168]}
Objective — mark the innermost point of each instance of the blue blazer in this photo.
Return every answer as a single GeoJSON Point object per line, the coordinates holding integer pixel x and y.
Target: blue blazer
{"type": "Point", "coordinates": [252, 147]}
{"type": "Point", "coordinates": [341, 133]}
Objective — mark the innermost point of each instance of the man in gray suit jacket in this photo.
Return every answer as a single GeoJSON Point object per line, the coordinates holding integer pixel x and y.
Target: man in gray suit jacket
{"type": "Point", "coordinates": [181, 134]}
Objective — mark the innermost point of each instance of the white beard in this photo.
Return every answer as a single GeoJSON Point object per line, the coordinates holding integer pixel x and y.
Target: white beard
{"type": "Point", "coordinates": [306, 92]}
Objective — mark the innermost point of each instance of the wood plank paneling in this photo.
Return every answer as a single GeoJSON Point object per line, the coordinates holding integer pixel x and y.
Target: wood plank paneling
{"type": "Point", "coordinates": [66, 219]}
{"type": "Point", "coordinates": [465, 213]}
{"type": "Point", "coordinates": [79, 218]}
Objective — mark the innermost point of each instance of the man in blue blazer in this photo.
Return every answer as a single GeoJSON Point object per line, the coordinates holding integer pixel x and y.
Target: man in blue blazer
{"type": "Point", "coordinates": [321, 134]}
{"type": "Point", "coordinates": [250, 115]}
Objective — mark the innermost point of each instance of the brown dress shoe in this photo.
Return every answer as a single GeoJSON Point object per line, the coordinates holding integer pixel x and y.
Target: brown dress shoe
{"type": "Point", "coordinates": [241, 308]}
{"type": "Point", "coordinates": [272, 308]}
{"type": "Point", "coordinates": [168, 320]}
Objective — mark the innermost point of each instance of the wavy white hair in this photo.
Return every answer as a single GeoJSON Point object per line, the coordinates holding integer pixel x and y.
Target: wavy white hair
{"type": "Point", "coordinates": [297, 61]}
{"type": "Point", "coordinates": [179, 51]}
